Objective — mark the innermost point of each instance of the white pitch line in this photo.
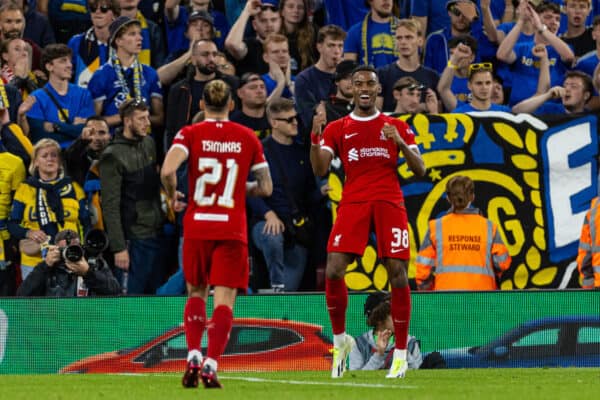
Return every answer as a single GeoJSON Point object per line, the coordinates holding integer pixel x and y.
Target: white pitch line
{"type": "Point", "coordinates": [294, 382]}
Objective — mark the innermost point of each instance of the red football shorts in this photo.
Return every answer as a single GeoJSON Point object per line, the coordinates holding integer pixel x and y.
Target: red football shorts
{"type": "Point", "coordinates": [355, 221]}
{"type": "Point", "coordinates": [216, 263]}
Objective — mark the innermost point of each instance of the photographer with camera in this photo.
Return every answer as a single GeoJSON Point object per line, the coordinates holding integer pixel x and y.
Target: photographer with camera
{"type": "Point", "coordinates": [70, 269]}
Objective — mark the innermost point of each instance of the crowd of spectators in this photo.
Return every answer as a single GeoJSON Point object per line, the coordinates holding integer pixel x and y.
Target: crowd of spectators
{"type": "Point", "coordinates": [92, 93]}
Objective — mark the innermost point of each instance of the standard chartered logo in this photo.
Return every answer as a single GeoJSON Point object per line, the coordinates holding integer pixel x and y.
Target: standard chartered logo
{"type": "Point", "coordinates": [353, 155]}
{"type": "Point", "coordinates": [3, 332]}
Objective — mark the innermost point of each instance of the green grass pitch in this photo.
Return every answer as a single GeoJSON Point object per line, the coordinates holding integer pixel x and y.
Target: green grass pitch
{"type": "Point", "coordinates": [486, 384]}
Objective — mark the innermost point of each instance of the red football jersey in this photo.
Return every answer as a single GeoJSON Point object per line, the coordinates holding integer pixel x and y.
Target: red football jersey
{"type": "Point", "coordinates": [369, 158]}
{"type": "Point", "coordinates": [220, 156]}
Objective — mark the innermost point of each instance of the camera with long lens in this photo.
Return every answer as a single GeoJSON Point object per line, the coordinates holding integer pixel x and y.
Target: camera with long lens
{"type": "Point", "coordinates": [95, 242]}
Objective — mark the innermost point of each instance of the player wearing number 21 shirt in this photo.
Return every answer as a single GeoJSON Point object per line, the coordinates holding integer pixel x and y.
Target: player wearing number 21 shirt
{"type": "Point", "coordinates": [368, 143]}
{"type": "Point", "coordinates": [220, 156]}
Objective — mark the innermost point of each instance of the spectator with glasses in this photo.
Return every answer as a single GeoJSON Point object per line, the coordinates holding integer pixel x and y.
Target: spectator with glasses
{"type": "Point", "coordinates": [90, 49]}
{"type": "Point", "coordinates": [462, 15]}
{"type": "Point", "coordinates": [294, 190]}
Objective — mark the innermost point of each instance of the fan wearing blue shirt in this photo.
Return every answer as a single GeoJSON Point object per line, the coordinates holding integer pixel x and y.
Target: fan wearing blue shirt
{"type": "Point", "coordinates": [279, 81]}
{"type": "Point", "coordinates": [179, 18]}
{"type": "Point", "coordinates": [90, 48]}
{"type": "Point", "coordinates": [525, 70]}
{"type": "Point", "coordinates": [60, 108]}
{"type": "Point", "coordinates": [125, 77]}
{"type": "Point", "coordinates": [463, 14]}
{"type": "Point", "coordinates": [371, 41]}
{"type": "Point", "coordinates": [481, 81]}
{"type": "Point", "coordinates": [574, 95]}
{"type": "Point", "coordinates": [453, 85]}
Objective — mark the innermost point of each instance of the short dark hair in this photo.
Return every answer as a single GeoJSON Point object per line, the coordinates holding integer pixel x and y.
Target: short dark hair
{"type": "Point", "coordinates": [364, 68]}
{"type": "Point", "coordinates": [332, 31]}
{"type": "Point", "coordinates": [99, 118]}
{"type": "Point", "coordinates": [53, 51]}
{"type": "Point", "coordinates": [464, 39]}
{"type": "Point", "coordinates": [548, 6]}
{"type": "Point", "coordinates": [588, 83]}
{"type": "Point", "coordinates": [278, 105]}
{"type": "Point", "coordinates": [128, 107]}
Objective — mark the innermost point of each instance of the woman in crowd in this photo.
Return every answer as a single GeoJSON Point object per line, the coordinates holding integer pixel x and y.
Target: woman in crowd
{"type": "Point", "coordinates": [301, 33]}
{"type": "Point", "coordinates": [45, 204]}
{"type": "Point", "coordinates": [15, 56]}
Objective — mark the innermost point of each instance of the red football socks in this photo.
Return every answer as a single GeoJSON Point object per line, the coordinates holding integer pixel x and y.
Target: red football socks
{"type": "Point", "coordinates": [400, 309]}
{"type": "Point", "coordinates": [218, 331]}
{"type": "Point", "coordinates": [194, 321]}
{"type": "Point", "coordinates": [336, 296]}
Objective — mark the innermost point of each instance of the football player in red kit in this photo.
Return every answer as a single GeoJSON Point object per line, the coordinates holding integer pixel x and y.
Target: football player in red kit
{"type": "Point", "coordinates": [368, 143]}
{"type": "Point", "coordinates": [220, 156]}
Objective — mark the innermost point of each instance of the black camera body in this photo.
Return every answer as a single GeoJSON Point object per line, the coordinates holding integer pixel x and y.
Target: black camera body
{"type": "Point", "coordinates": [95, 242]}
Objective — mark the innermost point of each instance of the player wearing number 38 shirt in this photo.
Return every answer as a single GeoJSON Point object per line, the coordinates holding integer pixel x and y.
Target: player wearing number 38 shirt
{"type": "Point", "coordinates": [220, 155]}
{"type": "Point", "coordinates": [368, 143]}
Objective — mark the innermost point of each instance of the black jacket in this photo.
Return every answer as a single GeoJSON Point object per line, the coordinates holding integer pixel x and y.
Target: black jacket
{"type": "Point", "coordinates": [179, 102]}
{"type": "Point", "coordinates": [57, 282]}
{"type": "Point", "coordinates": [130, 189]}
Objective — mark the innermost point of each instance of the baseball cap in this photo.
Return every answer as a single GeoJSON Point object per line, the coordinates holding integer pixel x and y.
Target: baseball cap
{"type": "Point", "coordinates": [343, 69]}
{"type": "Point", "coordinates": [118, 24]}
{"type": "Point", "coordinates": [203, 15]}
{"type": "Point", "coordinates": [249, 77]}
{"type": "Point", "coordinates": [274, 4]}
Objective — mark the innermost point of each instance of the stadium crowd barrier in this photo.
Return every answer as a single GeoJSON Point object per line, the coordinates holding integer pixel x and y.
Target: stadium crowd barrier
{"type": "Point", "coordinates": [292, 332]}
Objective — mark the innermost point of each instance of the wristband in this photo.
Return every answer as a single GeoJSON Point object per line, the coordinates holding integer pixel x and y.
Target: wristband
{"type": "Point", "coordinates": [315, 139]}
{"type": "Point", "coordinates": [542, 29]}
{"type": "Point", "coordinates": [450, 65]}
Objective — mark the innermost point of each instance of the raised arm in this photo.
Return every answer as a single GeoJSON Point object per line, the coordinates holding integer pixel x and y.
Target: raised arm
{"type": "Point", "coordinates": [461, 54]}
{"type": "Point", "coordinates": [541, 52]}
{"type": "Point", "coordinates": [234, 42]}
{"type": "Point", "coordinates": [563, 49]}
{"type": "Point", "coordinates": [172, 10]}
{"type": "Point", "coordinates": [505, 52]}
{"type": "Point", "coordinates": [489, 25]}
{"type": "Point", "coordinates": [319, 158]}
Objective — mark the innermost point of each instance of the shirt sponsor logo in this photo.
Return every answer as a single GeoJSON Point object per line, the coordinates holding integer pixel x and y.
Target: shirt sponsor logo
{"type": "Point", "coordinates": [336, 240]}
{"type": "Point", "coordinates": [353, 155]}
{"type": "Point", "coordinates": [374, 152]}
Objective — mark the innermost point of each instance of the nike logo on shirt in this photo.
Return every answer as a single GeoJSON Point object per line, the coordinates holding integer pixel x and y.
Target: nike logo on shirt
{"type": "Point", "coordinates": [348, 136]}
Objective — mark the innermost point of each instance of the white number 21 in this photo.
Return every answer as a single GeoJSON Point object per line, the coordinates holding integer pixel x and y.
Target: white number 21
{"type": "Point", "coordinates": [211, 170]}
